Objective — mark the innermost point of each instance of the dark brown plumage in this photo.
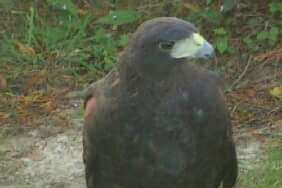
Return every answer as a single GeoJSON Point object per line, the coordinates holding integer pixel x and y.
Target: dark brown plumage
{"type": "Point", "coordinates": [158, 120]}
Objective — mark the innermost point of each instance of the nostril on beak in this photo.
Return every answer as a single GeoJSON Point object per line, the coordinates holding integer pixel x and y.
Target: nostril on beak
{"type": "Point", "coordinates": [206, 52]}
{"type": "Point", "coordinates": [210, 55]}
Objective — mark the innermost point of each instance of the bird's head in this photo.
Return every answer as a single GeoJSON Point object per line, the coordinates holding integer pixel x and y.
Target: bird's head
{"type": "Point", "coordinates": [160, 44]}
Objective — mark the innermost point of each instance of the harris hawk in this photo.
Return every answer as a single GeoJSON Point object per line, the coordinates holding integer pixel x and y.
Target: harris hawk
{"type": "Point", "coordinates": [158, 120]}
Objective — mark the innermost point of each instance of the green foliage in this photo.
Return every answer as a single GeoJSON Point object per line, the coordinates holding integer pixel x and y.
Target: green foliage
{"type": "Point", "coordinates": [222, 45]}
{"type": "Point", "coordinates": [71, 34]}
{"type": "Point", "coordinates": [262, 39]}
{"type": "Point", "coordinates": [104, 49]}
{"type": "Point", "coordinates": [259, 37]}
{"type": "Point", "coordinates": [66, 39]}
{"type": "Point", "coordinates": [255, 22]}
{"type": "Point", "coordinates": [267, 175]}
{"type": "Point", "coordinates": [30, 22]}
{"type": "Point", "coordinates": [209, 2]}
{"type": "Point", "coordinates": [70, 38]}
{"type": "Point", "coordinates": [208, 16]}
{"type": "Point", "coordinates": [270, 36]}
{"type": "Point", "coordinates": [212, 20]}
{"type": "Point", "coordinates": [275, 8]}
{"type": "Point", "coordinates": [65, 5]}
{"type": "Point", "coordinates": [250, 43]}
{"type": "Point", "coordinates": [228, 5]}
{"type": "Point", "coordinates": [220, 31]}
{"type": "Point", "coordinates": [7, 4]}
{"type": "Point", "coordinates": [123, 40]}
{"type": "Point", "coordinates": [222, 41]}
{"type": "Point", "coordinates": [63, 41]}
{"type": "Point", "coordinates": [119, 17]}
{"type": "Point", "coordinates": [9, 53]}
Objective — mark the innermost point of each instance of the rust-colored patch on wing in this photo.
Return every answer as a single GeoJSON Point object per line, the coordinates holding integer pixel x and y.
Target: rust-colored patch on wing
{"type": "Point", "coordinates": [90, 108]}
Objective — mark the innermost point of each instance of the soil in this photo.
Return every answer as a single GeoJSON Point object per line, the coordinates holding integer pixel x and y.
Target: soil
{"type": "Point", "coordinates": [48, 157]}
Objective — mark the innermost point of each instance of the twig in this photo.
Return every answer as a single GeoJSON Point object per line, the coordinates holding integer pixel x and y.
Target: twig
{"type": "Point", "coordinates": [153, 5]}
{"type": "Point", "coordinates": [234, 108]}
{"type": "Point", "coordinates": [241, 75]}
{"type": "Point", "coordinates": [146, 7]}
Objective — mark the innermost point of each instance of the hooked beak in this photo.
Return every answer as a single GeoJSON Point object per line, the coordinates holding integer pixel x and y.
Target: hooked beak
{"type": "Point", "coordinates": [193, 47]}
{"type": "Point", "coordinates": [206, 51]}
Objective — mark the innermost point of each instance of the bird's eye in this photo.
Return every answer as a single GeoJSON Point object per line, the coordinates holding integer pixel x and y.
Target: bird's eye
{"type": "Point", "coordinates": [166, 45]}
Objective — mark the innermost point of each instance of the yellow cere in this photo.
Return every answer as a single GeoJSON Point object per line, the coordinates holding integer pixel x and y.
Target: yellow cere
{"type": "Point", "coordinates": [188, 47]}
{"type": "Point", "coordinates": [198, 38]}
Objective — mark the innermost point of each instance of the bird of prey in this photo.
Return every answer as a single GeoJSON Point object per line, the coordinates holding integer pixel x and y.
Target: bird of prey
{"type": "Point", "coordinates": [159, 120]}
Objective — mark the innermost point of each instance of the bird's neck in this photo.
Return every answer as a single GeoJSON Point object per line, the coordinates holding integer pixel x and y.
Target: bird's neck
{"type": "Point", "coordinates": [131, 81]}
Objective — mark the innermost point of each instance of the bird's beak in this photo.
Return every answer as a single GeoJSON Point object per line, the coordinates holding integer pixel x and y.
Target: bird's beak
{"type": "Point", "coordinates": [193, 47]}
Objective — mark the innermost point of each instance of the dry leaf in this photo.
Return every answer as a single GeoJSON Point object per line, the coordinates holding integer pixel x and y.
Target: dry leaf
{"type": "Point", "coordinates": [192, 7]}
{"type": "Point", "coordinates": [3, 83]}
{"type": "Point", "coordinates": [276, 92]}
{"type": "Point", "coordinates": [251, 92]}
{"type": "Point", "coordinates": [4, 115]}
{"type": "Point", "coordinates": [274, 55]}
{"type": "Point", "coordinates": [82, 12]}
{"type": "Point", "coordinates": [36, 80]}
{"type": "Point", "coordinates": [25, 49]}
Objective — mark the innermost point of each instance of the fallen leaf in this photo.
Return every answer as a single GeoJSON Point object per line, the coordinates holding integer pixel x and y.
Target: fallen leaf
{"type": "Point", "coordinates": [36, 80]}
{"type": "Point", "coordinates": [251, 92]}
{"type": "Point", "coordinates": [192, 7]}
{"type": "Point", "coordinates": [3, 83]}
{"type": "Point", "coordinates": [276, 92]}
{"type": "Point", "coordinates": [4, 115]}
{"type": "Point", "coordinates": [274, 55]}
{"type": "Point", "coordinates": [82, 12]}
{"type": "Point", "coordinates": [25, 49]}
{"type": "Point", "coordinates": [277, 125]}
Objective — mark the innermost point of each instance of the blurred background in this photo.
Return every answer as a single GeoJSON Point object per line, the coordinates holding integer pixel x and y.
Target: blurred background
{"type": "Point", "coordinates": [50, 50]}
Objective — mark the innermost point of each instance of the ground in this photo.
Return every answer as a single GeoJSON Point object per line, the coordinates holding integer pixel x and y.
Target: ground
{"type": "Point", "coordinates": [51, 157]}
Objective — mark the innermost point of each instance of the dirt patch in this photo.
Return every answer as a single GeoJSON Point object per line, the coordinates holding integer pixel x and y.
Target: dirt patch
{"type": "Point", "coordinates": [35, 160]}
{"type": "Point", "coordinates": [249, 151]}
{"type": "Point", "coordinates": [55, 161]}
{"type": "Point", "coordinates": [30, 161]}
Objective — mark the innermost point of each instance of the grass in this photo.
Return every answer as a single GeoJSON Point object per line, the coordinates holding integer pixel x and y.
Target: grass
{"type": "Point", "coordinates": [49, 48]}
{"type": "Point", "coordinates": [59, 32]}
{"type": "Point", "coordinates": [267, 174]}
{"type": "Point", "coordinates": [48, 36]}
